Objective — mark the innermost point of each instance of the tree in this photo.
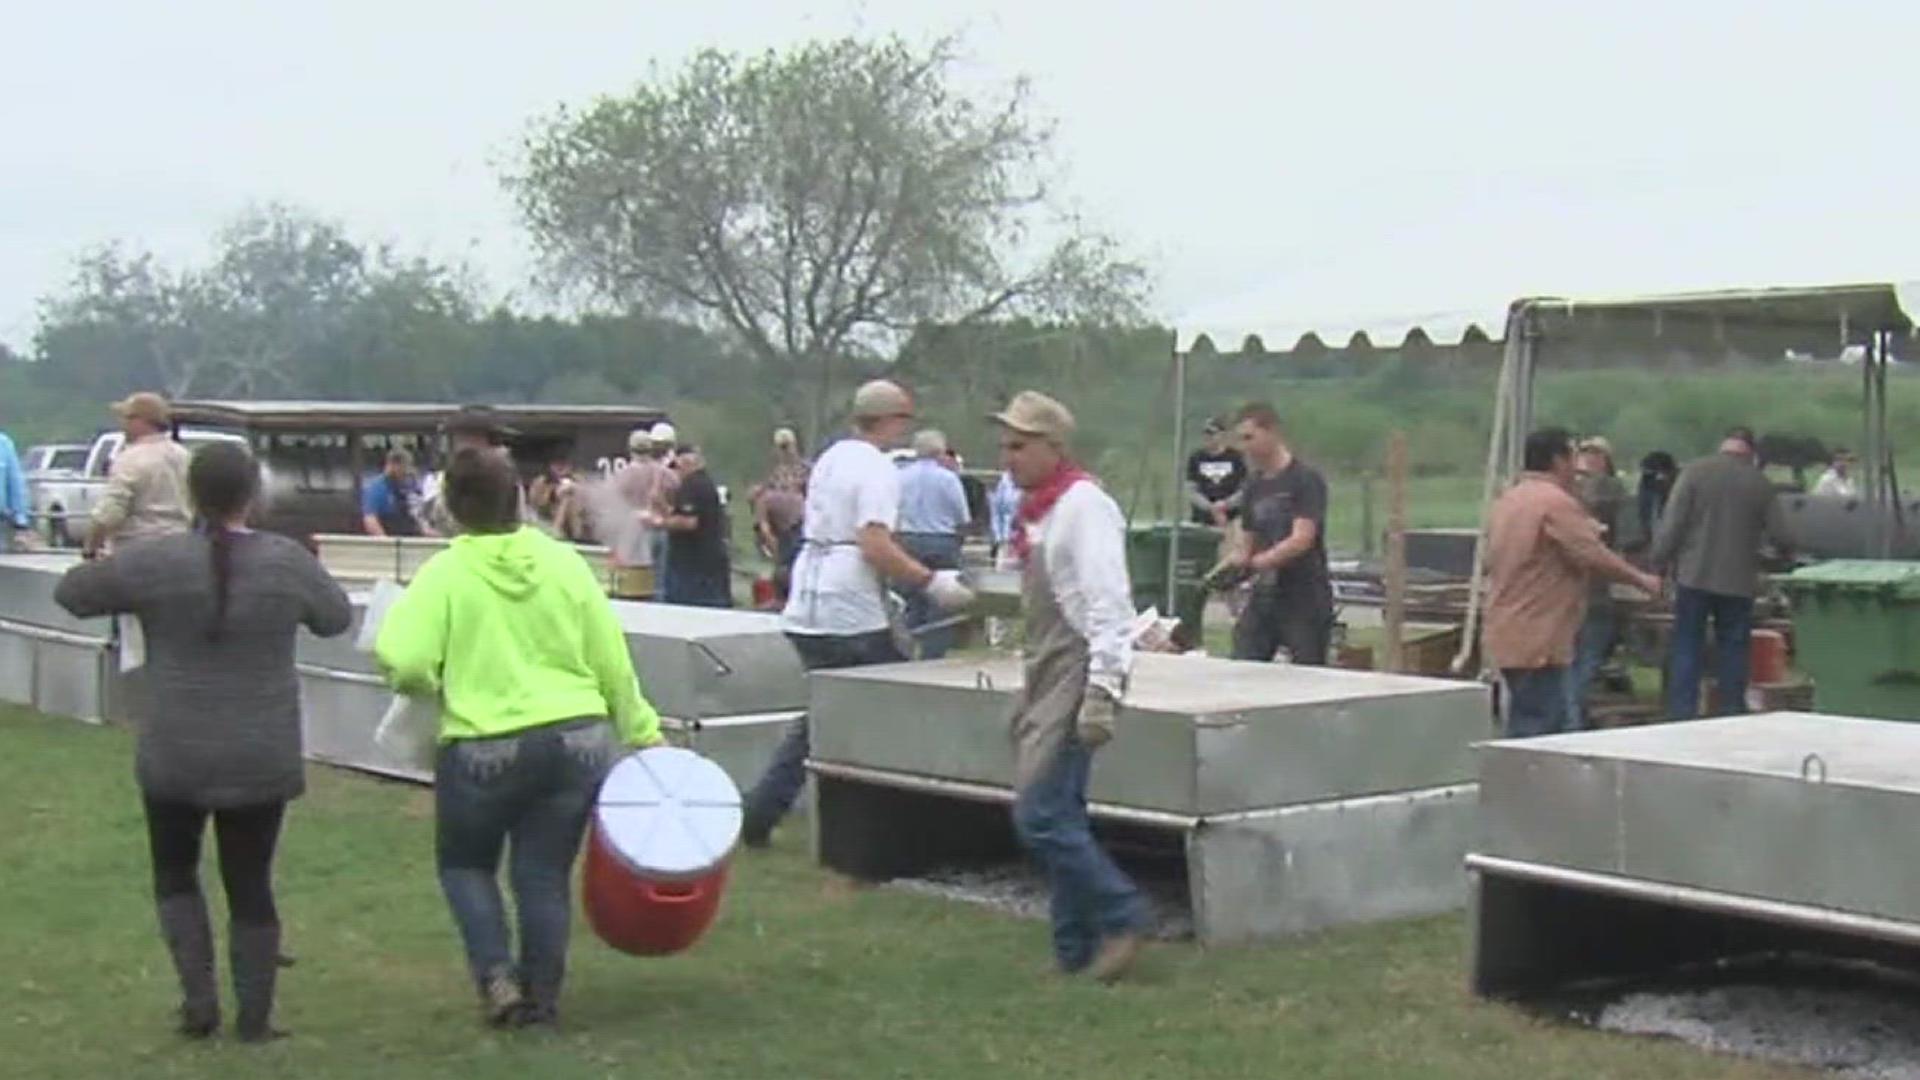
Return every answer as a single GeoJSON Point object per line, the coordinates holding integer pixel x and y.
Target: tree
{"type": "Point", "coordinates": [125, 321]}
{"type": "Point", "coordinates": [818, 204]}
{"type": "Point", "coordinates": [288, 305]}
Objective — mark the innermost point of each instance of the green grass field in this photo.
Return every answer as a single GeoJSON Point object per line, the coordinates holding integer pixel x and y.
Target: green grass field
{"type": "Point", "coordinates": [806, 976]}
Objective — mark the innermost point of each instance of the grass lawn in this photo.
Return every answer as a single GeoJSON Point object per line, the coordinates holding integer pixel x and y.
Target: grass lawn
{"type": "Point", "coordinates": [804, 977]}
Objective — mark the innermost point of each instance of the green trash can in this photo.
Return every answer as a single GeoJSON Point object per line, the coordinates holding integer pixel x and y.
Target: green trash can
{"type": "Point", "coordinates": [1147, 549]}
{"type": "Point", "coordinates": [1856, 630]}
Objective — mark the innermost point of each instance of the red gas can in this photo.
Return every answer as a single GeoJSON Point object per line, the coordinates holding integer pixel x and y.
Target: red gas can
{"type": "Point", "coordinates": [664, 827]}
{"type": "Point", "coordinates": [1767, 657]}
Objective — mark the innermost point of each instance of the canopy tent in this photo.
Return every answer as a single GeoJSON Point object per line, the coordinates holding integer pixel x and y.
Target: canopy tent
{"type": "Point", "coordinates": [1843, 315]}
{"type": "Point", "coordinates": [1866, 316]}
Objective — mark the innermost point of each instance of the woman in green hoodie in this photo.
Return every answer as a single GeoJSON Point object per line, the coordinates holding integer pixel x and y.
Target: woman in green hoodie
{"type": "Point", "coordinates": [510, 630]}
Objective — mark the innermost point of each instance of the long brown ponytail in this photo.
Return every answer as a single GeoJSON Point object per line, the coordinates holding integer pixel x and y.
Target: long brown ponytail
{"type": "Point", "coordinates": [222, 479]}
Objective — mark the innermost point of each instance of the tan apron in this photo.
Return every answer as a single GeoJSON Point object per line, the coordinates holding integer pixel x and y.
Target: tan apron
{"type": "Point", "coordinates": [1048, 704]}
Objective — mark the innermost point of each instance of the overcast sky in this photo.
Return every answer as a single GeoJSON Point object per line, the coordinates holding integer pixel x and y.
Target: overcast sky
{"type": "Point", "coordinates": [1328, 155]}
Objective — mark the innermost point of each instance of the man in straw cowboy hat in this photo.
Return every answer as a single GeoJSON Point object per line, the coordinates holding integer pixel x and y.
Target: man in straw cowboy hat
{"type": "Point", "coordinates": [146, 493]}
{"type": "Point", "coordinates": [837, 615]}
{"type": "Point", "coordinates": [1068, 536]}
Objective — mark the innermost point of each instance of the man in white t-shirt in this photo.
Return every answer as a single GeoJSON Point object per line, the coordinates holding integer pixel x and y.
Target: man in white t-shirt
{"type": "Point", "coordinates": [837, 614]}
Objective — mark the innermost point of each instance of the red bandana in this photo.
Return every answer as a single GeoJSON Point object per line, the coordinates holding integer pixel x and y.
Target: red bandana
{"type": "Point", "coordinates": [1039, 502]}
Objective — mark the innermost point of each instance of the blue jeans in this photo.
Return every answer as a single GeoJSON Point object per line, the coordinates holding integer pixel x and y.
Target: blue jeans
{"type": "Point", "coordinates": [692, 589]}
{"type": "Point", "coordinates": [1733, 636]}
{"type": "Point", "coordinates": [662, 579]}
{"type": "Point", "coordinates": [1590, 652]}
{"type": "Point", "coordinates": [1092, 898]}
{"type": "Point", "coordinates": [934, 551]}
{"type": "Point", "coordinates": [535, 788]}
{"type": "Point", "coordinates": [1535, 702]}
{"type": "Point", "coordinates": [786, 774]}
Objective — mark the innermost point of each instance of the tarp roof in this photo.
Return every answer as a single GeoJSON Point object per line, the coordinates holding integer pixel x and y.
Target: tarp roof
{"type": "Point", "coordinates": [1852, 310]}
{"type": "Point", "coordinates": [403, 416]}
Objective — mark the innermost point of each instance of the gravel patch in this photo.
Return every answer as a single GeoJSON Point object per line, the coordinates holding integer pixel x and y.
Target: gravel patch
{"type": "Point", "coordinates": [1852, 1019]}
{"type": "Point", "coordinates": [1022, 893]}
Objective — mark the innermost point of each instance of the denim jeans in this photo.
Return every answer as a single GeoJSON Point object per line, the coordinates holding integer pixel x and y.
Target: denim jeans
{"type": "Point", "coordinates": [534, 788]}
{"type": "Point", "coordinates": [694, 589]}
{"type": "Point", "coordinates": [1534, 702]}
{"type": "Point", "coordinates": [1732, 618]}
{"type": "Point", "coordinates": [1590, 652]}
{"type": "Point", "coordinates": [662, 572]}
{"type": "Point", "coordinates": [934, 551]}
{"type": "Point", "coordinates": [1301, 623]}
{"type": "Point", "coordinates": [786, 774]}
{"type": "Point", "coordinates": [1091, 897]}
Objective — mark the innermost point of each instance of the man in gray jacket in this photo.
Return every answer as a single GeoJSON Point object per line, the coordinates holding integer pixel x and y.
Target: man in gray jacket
{"type": "Point", "coordinates": [1721, 512]}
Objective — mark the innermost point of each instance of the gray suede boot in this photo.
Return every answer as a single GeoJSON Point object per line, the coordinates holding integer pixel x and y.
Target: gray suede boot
{"type": "Point", "coordinates": [189, 937]}
{"type": "Point", "coordinates": [253, 952]}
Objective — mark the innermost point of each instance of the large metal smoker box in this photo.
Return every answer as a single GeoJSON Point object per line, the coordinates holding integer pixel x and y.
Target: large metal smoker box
{"type": "Point", "coordinates": [1633, 852]}
{"type": "Point", "coordinates": [727, 683]}
{"type": "Point", "coordinates": [1289, 798]}
{"type": "Point", "coordinates": [49, 660]}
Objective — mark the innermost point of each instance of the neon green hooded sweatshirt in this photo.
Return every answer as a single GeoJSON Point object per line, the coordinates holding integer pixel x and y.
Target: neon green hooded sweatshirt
{"type": "Point", "coordinates": [511, 631]}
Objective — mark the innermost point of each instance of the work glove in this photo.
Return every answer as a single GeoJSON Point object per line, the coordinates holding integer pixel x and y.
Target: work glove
{"type": "Point", "coordinates": [1095, 723]}
{"type": "Point", "coordinates": [948, 592]}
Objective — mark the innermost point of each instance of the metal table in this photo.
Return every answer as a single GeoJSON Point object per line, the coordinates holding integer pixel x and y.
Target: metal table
{"type": "Point", "coordinates": [1290, 798]}
{"type": "Point", "coordinates": [1625, 852]}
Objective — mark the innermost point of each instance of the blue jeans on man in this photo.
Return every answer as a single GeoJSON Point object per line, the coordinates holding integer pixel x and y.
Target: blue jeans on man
{"type": "Point", "coordinates": [1534, 702]}
{"type": "Point", "coordinates": [1590, 651]}
{"type": "Point", "coordinates": [774, 794]}
{"type": "Point", "coordinates": [692, 587]}
{"type": "Point", "coordinates": [1092, 899]}
{"type": "Point", "coordinates": [662, 576]}
{"type": "Point", "coordinates": [1732, 618]}
{"type": "Point", "coordinates": [935, 551]}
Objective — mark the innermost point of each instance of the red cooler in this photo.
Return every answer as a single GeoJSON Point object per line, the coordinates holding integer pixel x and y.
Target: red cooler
{"type": "Point", "coordinates": [663, 830]}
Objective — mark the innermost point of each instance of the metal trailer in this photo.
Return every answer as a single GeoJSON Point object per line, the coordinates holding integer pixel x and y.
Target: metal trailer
{"type": "Point", "coordinates": [1290, 799]}
{"type": "Point", "coordinates": [1630, 852]}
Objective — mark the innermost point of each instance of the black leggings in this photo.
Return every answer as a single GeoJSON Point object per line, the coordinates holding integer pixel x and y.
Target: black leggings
{"type": "Point", "coordinates": [246, 837]}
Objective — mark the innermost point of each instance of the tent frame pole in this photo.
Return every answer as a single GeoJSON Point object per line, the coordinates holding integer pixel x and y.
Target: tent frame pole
{"type": "Point", "coordinates": [1179, 476]}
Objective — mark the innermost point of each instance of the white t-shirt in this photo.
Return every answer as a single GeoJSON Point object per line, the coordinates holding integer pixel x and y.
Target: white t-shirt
{"type": "Point", "coordinates": [835, 592]}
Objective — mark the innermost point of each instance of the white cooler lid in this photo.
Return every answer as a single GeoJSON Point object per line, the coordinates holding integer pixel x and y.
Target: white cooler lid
{"type": "Point", "coordinates": [669, 812]}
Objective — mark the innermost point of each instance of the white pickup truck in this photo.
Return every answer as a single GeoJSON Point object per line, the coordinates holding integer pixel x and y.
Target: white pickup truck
{"type": "Point", "coordinates": [63, 503]}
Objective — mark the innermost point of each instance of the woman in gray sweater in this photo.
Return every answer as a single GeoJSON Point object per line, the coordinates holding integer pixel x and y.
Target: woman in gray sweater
{"type": "Point", "coordinates": [220, 734]}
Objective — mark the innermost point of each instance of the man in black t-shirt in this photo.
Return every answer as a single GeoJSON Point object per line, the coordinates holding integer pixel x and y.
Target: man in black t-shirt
{"type": "Point", "coordinates": [697, 537]}
{"type": "Point", "coordinates": [1216, 476]}
{"type": "Point", "coordinates": [1285, 515]}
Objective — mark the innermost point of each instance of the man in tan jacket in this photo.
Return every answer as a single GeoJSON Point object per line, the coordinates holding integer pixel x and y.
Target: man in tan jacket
{"type": "Point", "coordinates": [146, 493]}
{"type": "Point", "coordinates": [1543, 550]}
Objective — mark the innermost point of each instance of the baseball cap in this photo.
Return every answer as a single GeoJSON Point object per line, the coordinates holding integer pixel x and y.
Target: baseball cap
{"type": "Point", "coordinates": [145, 406]}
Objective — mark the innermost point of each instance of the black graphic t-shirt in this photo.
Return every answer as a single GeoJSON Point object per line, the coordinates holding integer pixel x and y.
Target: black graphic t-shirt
{"type": "Point", "coordinates": [1216, 477]}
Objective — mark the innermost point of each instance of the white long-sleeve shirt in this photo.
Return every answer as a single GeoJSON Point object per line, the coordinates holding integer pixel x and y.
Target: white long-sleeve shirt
{"type": "Point", "coordinates": [1083, 542]}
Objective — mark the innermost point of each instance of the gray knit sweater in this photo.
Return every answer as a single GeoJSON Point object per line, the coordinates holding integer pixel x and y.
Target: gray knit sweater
{"type": "Point", "coordinates": [220, 726]}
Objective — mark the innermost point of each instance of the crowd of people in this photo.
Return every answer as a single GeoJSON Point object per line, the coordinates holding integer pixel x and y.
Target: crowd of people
{"type": "Point", "coordinates": [517, 640]}
{"type": "Point", "coordinates": [1556, 543]}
